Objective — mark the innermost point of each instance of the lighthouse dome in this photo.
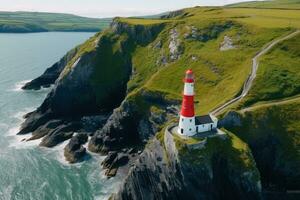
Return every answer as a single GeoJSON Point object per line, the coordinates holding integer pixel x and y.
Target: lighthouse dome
{"type": "Point", "coordinates": [189, 76]}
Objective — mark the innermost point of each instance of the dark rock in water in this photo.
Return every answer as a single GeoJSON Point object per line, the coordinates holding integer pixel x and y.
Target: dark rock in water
{"type": "Point", "coordinates": [45, 129]}
{"type": "Point", "coordinates": [34, 120]}
{"type": "Point", "coordinates": [51, 74]}
{"type": "Point", "coordinates": [74, 151]}
{"type": "Point", "coordinates": [111, 173]}
{"type": "Point", "coordinates": [60, 134]}
{"type": "Point", "coordinates": [108, 161]}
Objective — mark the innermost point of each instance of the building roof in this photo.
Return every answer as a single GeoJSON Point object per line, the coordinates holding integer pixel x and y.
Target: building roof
{"type": "Point", "coordinates": [205, 119]}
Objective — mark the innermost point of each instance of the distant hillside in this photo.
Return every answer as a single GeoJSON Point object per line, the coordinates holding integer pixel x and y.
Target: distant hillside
{"type": "Point", "coordinates": [24, 22]}
{"type": "Point", "coordinates": [286, 4]}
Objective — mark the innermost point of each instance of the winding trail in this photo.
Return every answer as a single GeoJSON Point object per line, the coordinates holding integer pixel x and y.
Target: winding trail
{"type": "Point", "coordinates": [272, 103]}
{"type": "Point", "coordinates": [251, 77]}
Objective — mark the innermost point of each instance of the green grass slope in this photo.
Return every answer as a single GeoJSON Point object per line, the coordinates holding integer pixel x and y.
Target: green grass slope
{"type": "Point", "coordinates": [285, 4]}
{"type": "Point", "coordinates": [22, 22]}
{"type": "Point", "coordinates": [278, 74]}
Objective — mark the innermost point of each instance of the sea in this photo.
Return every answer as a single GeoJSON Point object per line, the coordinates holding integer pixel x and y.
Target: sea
{"type": "Point", "coordinates": [27, 171]}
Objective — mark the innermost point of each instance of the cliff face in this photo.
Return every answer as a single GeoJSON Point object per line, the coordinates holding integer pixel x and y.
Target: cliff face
{"type": "Point", "coordinates": [167, 171]}
{"type": "Point", "coordinates": [275, 145]}
{"type": "Point", "coordinates": [92, 80]}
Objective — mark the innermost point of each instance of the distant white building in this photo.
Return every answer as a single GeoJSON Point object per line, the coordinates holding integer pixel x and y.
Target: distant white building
{"type": "Point", "coordinates": [190, 125]}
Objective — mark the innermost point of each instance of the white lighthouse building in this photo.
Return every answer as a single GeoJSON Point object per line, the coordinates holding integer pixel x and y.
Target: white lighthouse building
{"type": "Point", "coordinates": [189, 124]}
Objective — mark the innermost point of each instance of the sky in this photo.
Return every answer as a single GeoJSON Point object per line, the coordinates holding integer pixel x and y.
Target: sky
{"type": "Point", "coordinates": [106, 8]}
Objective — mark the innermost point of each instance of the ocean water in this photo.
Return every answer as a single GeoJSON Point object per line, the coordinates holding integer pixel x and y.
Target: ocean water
{"type": "Point", "coordinates": [28, 171]}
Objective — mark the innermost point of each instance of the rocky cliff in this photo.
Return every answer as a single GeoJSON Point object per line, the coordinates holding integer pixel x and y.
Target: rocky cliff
{"type": "Point", "coordinates": [169, 170]}
{"type": "Point", "coordinates": [274, 144]}
{"type": "Point", "coordinates": [91, 81]}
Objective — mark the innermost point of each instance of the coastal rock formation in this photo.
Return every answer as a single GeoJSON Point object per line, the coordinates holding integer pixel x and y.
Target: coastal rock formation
{"type": "Point", "coordinates": [74, 151]}
{"type": "Point", "coordinates": [171, 171]}
{"type": "Point", "coordinates": [131, 124]}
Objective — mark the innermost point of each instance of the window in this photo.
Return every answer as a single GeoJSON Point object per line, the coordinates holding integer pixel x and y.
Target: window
{"type": "Point", "coordinates": [190, 129]}
{"type": "Point", "coordinates": [181, 131]}
{"type": "Point", "coordinates": [191, 120]}
{"type": "Point", "coordinates": [182, 119]}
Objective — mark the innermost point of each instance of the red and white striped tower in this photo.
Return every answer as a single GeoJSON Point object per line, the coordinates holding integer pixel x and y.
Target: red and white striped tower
{"type": "Point", "coordinates": [187, 124]}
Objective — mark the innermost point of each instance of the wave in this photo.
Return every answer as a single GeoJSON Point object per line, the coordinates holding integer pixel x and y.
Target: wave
{"type": "Point", "coordinates": [19, 141]}
{"type": "Point", "coordinates": [18, 85]}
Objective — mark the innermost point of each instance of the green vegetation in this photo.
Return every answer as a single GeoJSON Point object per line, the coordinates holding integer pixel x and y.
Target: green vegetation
{"type": "Point", "coordinates": [232, 148]}
{"type": "Point", "coordinates": [278, 74]}
{"type": "Point", "coordinates": [24, 22]}
{"type": "Point", "coordinates": [286, 4]}
{"type": "Point", "coordinates": [219, 74]}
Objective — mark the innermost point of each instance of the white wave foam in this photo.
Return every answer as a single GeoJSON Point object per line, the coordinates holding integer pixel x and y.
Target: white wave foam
{"type": "Point", "coordinates": [20, 115]}
{"type": "Point", "coordinates": [6, 193]}
{"type": "Point", "coordinates": [18, 85]}
{"type": "Point", "coordinates": [19, 141]}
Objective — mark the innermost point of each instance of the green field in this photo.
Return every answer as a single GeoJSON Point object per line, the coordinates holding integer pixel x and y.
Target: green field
{"type": "Point", "coordinates": [275, 4]}
{"type": "Point", "coordinates": [22, 22]}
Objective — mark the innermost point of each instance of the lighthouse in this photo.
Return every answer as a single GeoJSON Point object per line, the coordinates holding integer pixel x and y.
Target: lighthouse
{"type": "Point", "coordinates": [187, 125]}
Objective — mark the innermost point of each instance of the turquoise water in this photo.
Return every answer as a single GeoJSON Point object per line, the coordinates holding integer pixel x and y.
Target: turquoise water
{"type": "Point", "coordinates": [26, 170]}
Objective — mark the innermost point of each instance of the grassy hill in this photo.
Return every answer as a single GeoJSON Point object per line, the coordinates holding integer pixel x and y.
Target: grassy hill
{"type": "Point", "coordinates": [277, 4]}
{"type": "Point", "coordinates": [22, 22]}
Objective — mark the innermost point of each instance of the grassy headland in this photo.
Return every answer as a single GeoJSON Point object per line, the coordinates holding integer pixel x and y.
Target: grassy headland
{"type": "Point", "coordinates": [24, 22]}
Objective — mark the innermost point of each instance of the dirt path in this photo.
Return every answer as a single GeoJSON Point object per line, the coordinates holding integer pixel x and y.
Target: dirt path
{"type": "Point", "coordinates": [272, 103]}
{"type": "Point", "coordinates": [251, 77]}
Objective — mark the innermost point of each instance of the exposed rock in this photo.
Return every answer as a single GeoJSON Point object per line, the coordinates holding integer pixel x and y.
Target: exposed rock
{"type": "Point", "coordinates": [45, 129]}
{"type": "Point", "coordinates": [163, 60]}
{"type": "Point", "coordinates": [175, 46]}
{"type": "Point", "coordinates": [120, 130]}
{"type": "Point", "coordinates": [173, 14]}
{"type": "Point", "coordinates": [139, 33]}
{"type": "Point", "coordinates": [75, 94]}
{"type": "Point", "coordinates": [207, 33]}
{"type": "Point", "coordinates": [60, 134]}
{"type": "Point", "coordinates": [164, 173]}
{"type": "Point", "coordinates": [92, 123]}
{"type": "Point", "coordinates": [227, 44]}
{"type": "Point", "coordinates": [34, 120]}
{"type": "Point", "coordinates": [51, 74]}
{"type": "Point", "coordinates": [158, 45]}
{"type": "Point", "coordinates": [113, 161]}
{"type": "Point", "coordinates": [194, 58]}
{"type": "Point", "coordinates": [232, 118]}
{"type": "Point", "coordinates": [74, 151]}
